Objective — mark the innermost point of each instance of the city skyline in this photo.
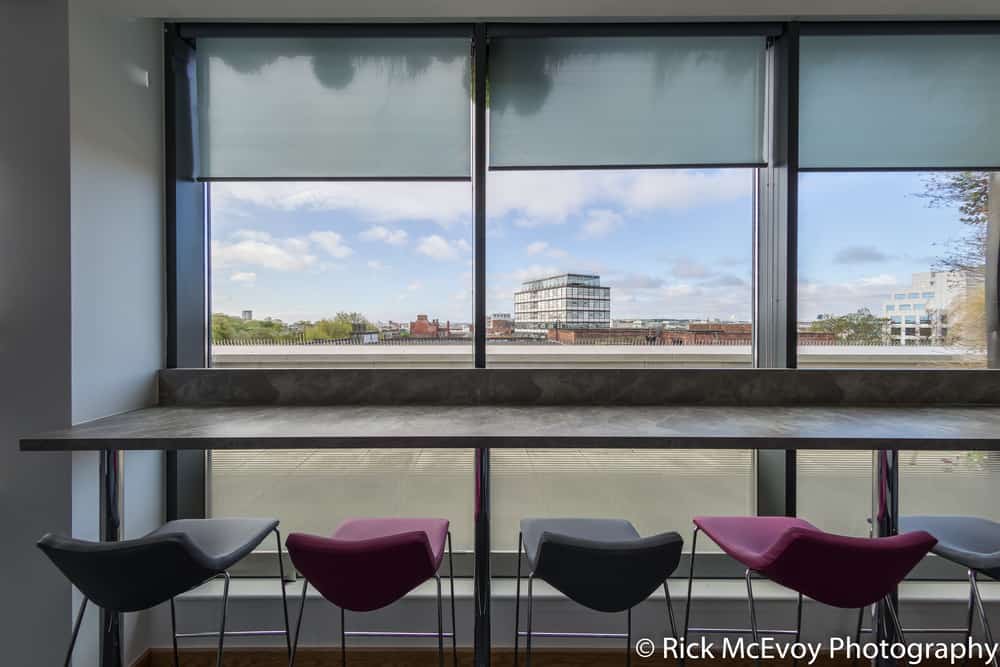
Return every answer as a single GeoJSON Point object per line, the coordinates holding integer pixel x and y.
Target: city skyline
{"type": "Point", "coordinates": [670, 244]}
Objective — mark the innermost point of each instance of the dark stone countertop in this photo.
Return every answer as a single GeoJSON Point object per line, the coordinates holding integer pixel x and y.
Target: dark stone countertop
{"type": "Point", "coordinates": [540, 426]}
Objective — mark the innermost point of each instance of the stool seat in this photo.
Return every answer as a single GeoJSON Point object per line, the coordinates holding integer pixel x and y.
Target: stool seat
{"type": "Point", "coordinates": [595, 530]}
{"type": "Point", "coordinates": [602, 564]}
{"type": "Point", "coordinates": [749, 539]}
{"type": "Point", "coordinates": [973, 542]}
{"type": "Point", "coordinates": [436, 531]}
{"type": "Point", "coordinates": [838, 570]}
{"type": "Point", "coordinates": [222, 542]}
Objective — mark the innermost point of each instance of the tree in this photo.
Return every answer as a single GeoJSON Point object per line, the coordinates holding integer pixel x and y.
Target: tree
{"type": "Point", "coordinates": [334, 329]}
{"type": "Point", "coordinates": [859, 328]}
{"type": "Point", "coordinates": [969, 191]}
{"type": "Point", "coordinates": [968, 321]}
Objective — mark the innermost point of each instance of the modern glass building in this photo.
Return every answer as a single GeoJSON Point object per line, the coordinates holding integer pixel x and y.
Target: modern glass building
{"type": "Point", "coordinates": [570, 300]}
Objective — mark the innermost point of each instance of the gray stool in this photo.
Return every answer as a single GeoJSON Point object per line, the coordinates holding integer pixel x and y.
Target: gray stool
{"type": "Point", "coordinates": [973, 543]}
{"type": "Point", "coordinates": [133, 575]}
{"type": "Point", "coordinates": [602, 564]}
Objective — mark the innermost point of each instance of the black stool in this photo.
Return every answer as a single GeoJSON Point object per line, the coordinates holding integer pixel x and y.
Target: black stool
{"type": "Point", "coordinates": [602, 564]}
{"type": "Point", "coordinates": [133, 575]}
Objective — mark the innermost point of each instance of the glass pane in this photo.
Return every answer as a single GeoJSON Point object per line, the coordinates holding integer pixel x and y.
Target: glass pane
{"type": "Point", "coordinates": [313, 490]}
{"type": "Point", "coordinates": [585, 101]}
{"type": "Point", "coordinates": [891, 269]}
{"type": "Point", "coordinates": [891, 275]}
{"type": "Point", "coordinates": [835, 490]}
{"type": "Point", "coordinates": [657, 490]}
{"type": "Point", "coordinates": [902, 101]}
{"type": "Point", "coordinates": [301, 108]}
{"type": "Point", "coordinates": [341, 275]}
{"type": "Point", "coordinates": [619, 269]}
{"type": "Point", "coordinates": [949, 483]}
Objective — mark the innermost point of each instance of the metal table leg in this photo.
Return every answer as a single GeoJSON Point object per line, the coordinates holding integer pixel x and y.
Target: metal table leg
{"type": "Point", "coordinates": [885, 521]}
{"type": "Point", "coordinates": [481, 636]}
{"type": "Point", "coordinates": [110, 642]}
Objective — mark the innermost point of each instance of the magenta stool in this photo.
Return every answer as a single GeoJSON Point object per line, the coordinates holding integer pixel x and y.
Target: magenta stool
{"type": "Point", "coordinates": [845, 572]}
{"type": "Point", "coordinates": [370, 563]}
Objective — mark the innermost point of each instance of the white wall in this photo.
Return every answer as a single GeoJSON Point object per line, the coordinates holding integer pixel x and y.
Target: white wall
{"type": "Point", "coordinates": [116, 183]}
{"type": "Point", "coordinates": [34, 322]}
{"type": "Point", "coordinates": [488, 9]}
{"type": "Point", "coordinates": [81, 289]}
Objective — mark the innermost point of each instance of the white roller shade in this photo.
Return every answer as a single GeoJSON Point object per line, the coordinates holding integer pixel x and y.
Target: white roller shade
{"type": "Point", "coordinates": [629, 101]}
{"type": "Point", "coordinates": [899, 101]}
{"type": "Point", "coordinates": [334, 107]}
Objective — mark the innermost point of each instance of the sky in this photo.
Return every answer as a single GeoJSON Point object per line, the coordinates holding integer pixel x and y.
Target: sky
{"type": "Point", "coordinates": [670, 243]}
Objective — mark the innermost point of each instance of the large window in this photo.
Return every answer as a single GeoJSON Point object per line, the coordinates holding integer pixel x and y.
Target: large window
{"type": "Point", "coordinates": [892, 269]}
{"type": "Point", "coordinates": [626, 178]}
{"type": "Point", "coordinates": [896, 133]}
{"type": "Point", "coordinates": [349, 275]}
{"type": "Point", "coordinates": [620, 268]}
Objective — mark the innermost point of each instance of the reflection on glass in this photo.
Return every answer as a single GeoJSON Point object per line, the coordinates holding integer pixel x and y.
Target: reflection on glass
{"type": "Point", "coordinates": [835, 490]}
{"type": "Point", "coordinates": [657, 490]}
{"type": "Point", "coordinates": [314, 490]}
{"type": "Point", "coordinates": [950, 483]}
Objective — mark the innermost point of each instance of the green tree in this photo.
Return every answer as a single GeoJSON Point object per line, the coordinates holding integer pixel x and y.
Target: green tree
{"type": "Point", "coordinates": [969, 192]}
{"type": "Point", "coordinates": [858, 328]}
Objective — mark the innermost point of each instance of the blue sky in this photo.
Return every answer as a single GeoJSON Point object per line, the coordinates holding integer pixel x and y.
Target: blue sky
{"type": "Point", "coordinates": [670, 243]}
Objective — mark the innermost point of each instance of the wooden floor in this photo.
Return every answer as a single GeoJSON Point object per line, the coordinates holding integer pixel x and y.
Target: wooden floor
{"type": "Point", "coordinates": [428, 658]}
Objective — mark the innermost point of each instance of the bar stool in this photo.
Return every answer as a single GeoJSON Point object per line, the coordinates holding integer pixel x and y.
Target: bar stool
{"type": "Point", "coordinates": [973, 543]}
{"type": "Point", "coordinates": [602, 564]}
{"type": "Point", "coordinates": [370, 563]}
{"type": "Point", "coordinates": [138, 574]}
{"type": "Point", "coordinates": [840, 571]}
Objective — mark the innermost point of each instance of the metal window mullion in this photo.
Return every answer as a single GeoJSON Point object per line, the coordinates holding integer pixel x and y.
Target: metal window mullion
{"type": "Point", "coordinates": [775, 249]}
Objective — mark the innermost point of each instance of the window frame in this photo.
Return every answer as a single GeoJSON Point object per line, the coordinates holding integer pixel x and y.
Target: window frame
{"type": "Point", "coordinates": [775, 217]}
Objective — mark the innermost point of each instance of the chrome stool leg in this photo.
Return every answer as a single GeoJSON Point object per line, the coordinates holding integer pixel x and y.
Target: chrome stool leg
{"type": "Point", "coordinates": [76, 632]}
{"type": "Point", "coordinates": [517, 597]}
{"type": "Point", "coordinates": [222, 625]}
{"type": "Point", "coordinates": [687, 606]}
{"type": "Point", "coordinates": [451, 581]}
{"type": "Point", "coordinates": [284, 596]}
{"type": "Point", "coordinates": [753, 610]}
{"type": "Point", "coordinates": [440, 624]}
{"type": "Point", "coordinates": [982, 610]}
{"type": "Point", "coordinates": [173, 631]}
{"type": "Point", "coordinates": [298, 623]}
{"type": "Point", "coordinates": [527, 650]}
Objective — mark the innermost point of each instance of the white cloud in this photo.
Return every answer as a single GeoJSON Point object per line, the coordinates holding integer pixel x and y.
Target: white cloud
{"type": "Point", "coordinates": [443, 203]}
{"type": "Point", "coordinates": [543, 248]}
{"type": "Point", "coordinates": [550, 197]}
{"type": "Point", "coordinates": [375, 265]}
{"type": "Point", "coordinates": [600, 223]}
{"type": "Point", "coordinates": [332, 243]}
{"type": "Point", "coordinates": [379, 233]}
{"type": "Point", "coordinates": [414, 286]}
{"type": "Point", "coordinates": [440, 248]}
{"type": "Point", "coordinates": [531, 198]}
{"type": "Point", "coordinates": [247, 277]}
{"type": "Point", "coordinates": [847, 296]}
{"type": "Point", "coordinates": [261, 249]}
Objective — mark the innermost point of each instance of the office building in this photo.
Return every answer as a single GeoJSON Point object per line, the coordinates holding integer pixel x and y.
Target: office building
{"type": "Point", "coordinates": [920, 313]}
{"type": "Point", "coordinates": [569, 301]}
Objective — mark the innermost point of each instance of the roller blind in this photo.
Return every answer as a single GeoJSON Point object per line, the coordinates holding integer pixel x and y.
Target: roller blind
{"type": "Point", "coordinates": [899, 101]}
{"type": "Point", "coordinates": [629, 101]}
{"type": "Point", "coordinates": [334, 107]}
